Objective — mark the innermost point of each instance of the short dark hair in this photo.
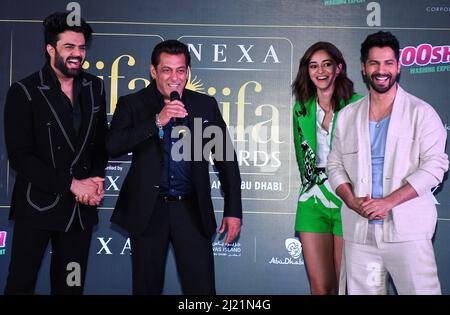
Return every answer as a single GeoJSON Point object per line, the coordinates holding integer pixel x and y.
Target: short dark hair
{"type": "Point", "coordinates": [380, 39]}
{"type": "Point", "coordinates": [56, 23]}
{"type": "Point", "coordinates": [171, 47]}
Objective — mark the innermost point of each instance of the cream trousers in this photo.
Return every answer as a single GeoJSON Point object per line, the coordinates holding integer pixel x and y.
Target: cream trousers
{"type": "Point", "coordinates": [411, 265]}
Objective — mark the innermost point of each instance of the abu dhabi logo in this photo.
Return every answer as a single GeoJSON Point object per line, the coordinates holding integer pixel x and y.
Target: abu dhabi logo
{"type": "Point", "coordinates": [3, 242]}
{"type": "Point", "coordinates": [294, 248]}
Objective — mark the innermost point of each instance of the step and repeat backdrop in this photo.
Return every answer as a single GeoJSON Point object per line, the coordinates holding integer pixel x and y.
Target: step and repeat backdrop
{"type": "Point", "coordinates": [246, 55]}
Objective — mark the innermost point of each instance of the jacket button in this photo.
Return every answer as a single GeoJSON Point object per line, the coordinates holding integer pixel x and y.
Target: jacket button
{"type": "Point", "coordinates": [363, 180]}
{"type": "Point", "coordinates": [85, 167]}
{"type": "Point", "coordinates": [58, 147]}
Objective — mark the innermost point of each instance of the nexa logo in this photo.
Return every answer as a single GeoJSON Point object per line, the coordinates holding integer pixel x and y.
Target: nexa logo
{"type": "Point", "coordinates": [239, 53]}
{"type": "Point", "coordinates": [105, 246]}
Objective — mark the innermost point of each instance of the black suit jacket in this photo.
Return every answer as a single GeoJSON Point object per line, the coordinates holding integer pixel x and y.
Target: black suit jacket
{"type": "Point", "coordinates": [133, 129]}
{"type": "Point", "coordinates": [46, 154]}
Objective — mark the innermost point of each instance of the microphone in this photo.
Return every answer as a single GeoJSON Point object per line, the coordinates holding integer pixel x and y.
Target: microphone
{"type": "Point", "coordinates": [174, 95]}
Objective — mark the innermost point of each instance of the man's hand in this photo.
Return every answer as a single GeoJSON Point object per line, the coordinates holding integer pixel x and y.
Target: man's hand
{"type": "Point", "coordinates": [88, 191]}
{"type": "Point", "coordinates": [99, 181]}
{"type": "Point", "coordinates": [376, 209]}
{"type": "Point", "coordinates": [344, 191]}
{"type": "Point", "coordinates": [355, 203]}
{"type": "Point", "coordinates": [233, 227]}
{"type": "Point", "coordinates": [172, 109]}
{"type": "Point", "coordinates": [94, 200]}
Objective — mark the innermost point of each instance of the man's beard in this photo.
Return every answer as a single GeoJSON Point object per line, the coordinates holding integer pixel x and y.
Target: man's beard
{"type": "Point", "coordinates": [381, 89]}
{"type": "Point", "coordinates": [61, 65]}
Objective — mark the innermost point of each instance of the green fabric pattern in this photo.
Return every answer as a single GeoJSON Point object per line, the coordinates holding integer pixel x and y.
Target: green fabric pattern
{"type": "Point", "coordinates": [305, 141]}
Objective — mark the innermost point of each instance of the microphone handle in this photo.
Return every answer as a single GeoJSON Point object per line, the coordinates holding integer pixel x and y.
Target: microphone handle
{"type": "Point", "coordinates": [176, 121]}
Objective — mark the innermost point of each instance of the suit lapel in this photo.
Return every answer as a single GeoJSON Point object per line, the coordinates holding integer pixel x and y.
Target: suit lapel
{"type": "Point", "coordinates": [151, 101]}
{"type": "Point", "coordinates": [150, 106]}
{"type": "Point", "coordinates": [88, 107]}
{"type": "Point", "coordinates": [392, 135]}
{"type": "Point", "coordinates": [191, 110]}
{"type": "Point", "coordinates": [364, 136]}
{"type": "Point", "coordinates": [52, 97]}
{"type": "Point", "coordinates": [197, 122]}
{"type": "Point", "coordinates": [308, 123]}
{"type": "Point", "coordinates": [196, 113]}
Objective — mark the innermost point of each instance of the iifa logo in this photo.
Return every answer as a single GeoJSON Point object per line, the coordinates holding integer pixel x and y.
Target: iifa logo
{"type": "Point", "coordinates": [2, 242]}
{"type": "Point", "coordinates": [239, 73]}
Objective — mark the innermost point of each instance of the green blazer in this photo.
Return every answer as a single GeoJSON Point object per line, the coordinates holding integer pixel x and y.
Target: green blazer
{"type": "Point", "coordinates": [305, 140]}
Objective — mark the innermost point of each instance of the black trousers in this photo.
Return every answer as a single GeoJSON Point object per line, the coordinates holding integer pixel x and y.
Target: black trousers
{"type": "Point", "coordinates": [175, 222]}
{"type": "Point", "coordinates": [28, 248]}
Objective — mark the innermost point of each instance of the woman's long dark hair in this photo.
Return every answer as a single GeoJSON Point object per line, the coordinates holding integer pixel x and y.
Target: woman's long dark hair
{"type": "Point", "coordinates": [303, 88]}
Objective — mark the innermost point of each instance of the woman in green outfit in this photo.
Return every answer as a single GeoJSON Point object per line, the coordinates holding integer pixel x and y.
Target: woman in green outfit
{"type": "Point", "coordinates": [321, 89]}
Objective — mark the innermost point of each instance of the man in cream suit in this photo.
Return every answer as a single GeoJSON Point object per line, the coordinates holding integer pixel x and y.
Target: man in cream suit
{"type": "Point", "coordinates": [388, 153]}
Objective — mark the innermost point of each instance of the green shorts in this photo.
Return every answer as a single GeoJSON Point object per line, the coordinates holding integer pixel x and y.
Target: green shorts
{"type": "Point", "coordinates": [314, 216]}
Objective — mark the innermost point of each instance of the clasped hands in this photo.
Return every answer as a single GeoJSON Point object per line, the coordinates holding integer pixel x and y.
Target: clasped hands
{"type": "Point", "coordinates": [88, 191]}
{"type": "Point", "coordinates": [371, 208]}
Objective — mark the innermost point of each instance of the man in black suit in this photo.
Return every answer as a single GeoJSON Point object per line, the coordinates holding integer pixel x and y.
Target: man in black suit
{"type": "Point", "coordinates": [55, 129]}
{"type": "Point", "coordinates": [166, 196]}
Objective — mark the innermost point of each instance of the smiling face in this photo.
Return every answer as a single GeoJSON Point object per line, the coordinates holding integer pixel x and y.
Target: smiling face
{"type": "Point", "coordinates": [67, 57]}
{"type": "Point", "coordinates": [381, 69]}
{"type": "Point", "coordinates": [170, 74]}
{"type": "Point", "coordinates": [323, 70]}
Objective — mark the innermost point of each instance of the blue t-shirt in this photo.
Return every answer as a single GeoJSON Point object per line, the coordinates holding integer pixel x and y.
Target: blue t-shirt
{"type": "Point", "coordinates": [378, 134]}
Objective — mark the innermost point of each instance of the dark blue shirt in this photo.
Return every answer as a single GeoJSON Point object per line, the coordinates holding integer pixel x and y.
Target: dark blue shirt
{"type": "Point", "coordinates": [176, 176]}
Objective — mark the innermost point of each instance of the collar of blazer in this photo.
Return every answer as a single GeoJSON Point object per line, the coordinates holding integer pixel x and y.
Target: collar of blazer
{"type": "Point", "coordinates": [49, 90]}
{"type": "Point", "coordinates": [395, 125]}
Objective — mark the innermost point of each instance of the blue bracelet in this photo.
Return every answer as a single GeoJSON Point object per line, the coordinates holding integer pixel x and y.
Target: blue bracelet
{"type": "Point", "coordinates": [160, 127]}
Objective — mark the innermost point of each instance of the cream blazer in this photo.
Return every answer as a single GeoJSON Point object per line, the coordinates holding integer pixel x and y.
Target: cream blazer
{"type": "Point", "coordinates": [415, 153]}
